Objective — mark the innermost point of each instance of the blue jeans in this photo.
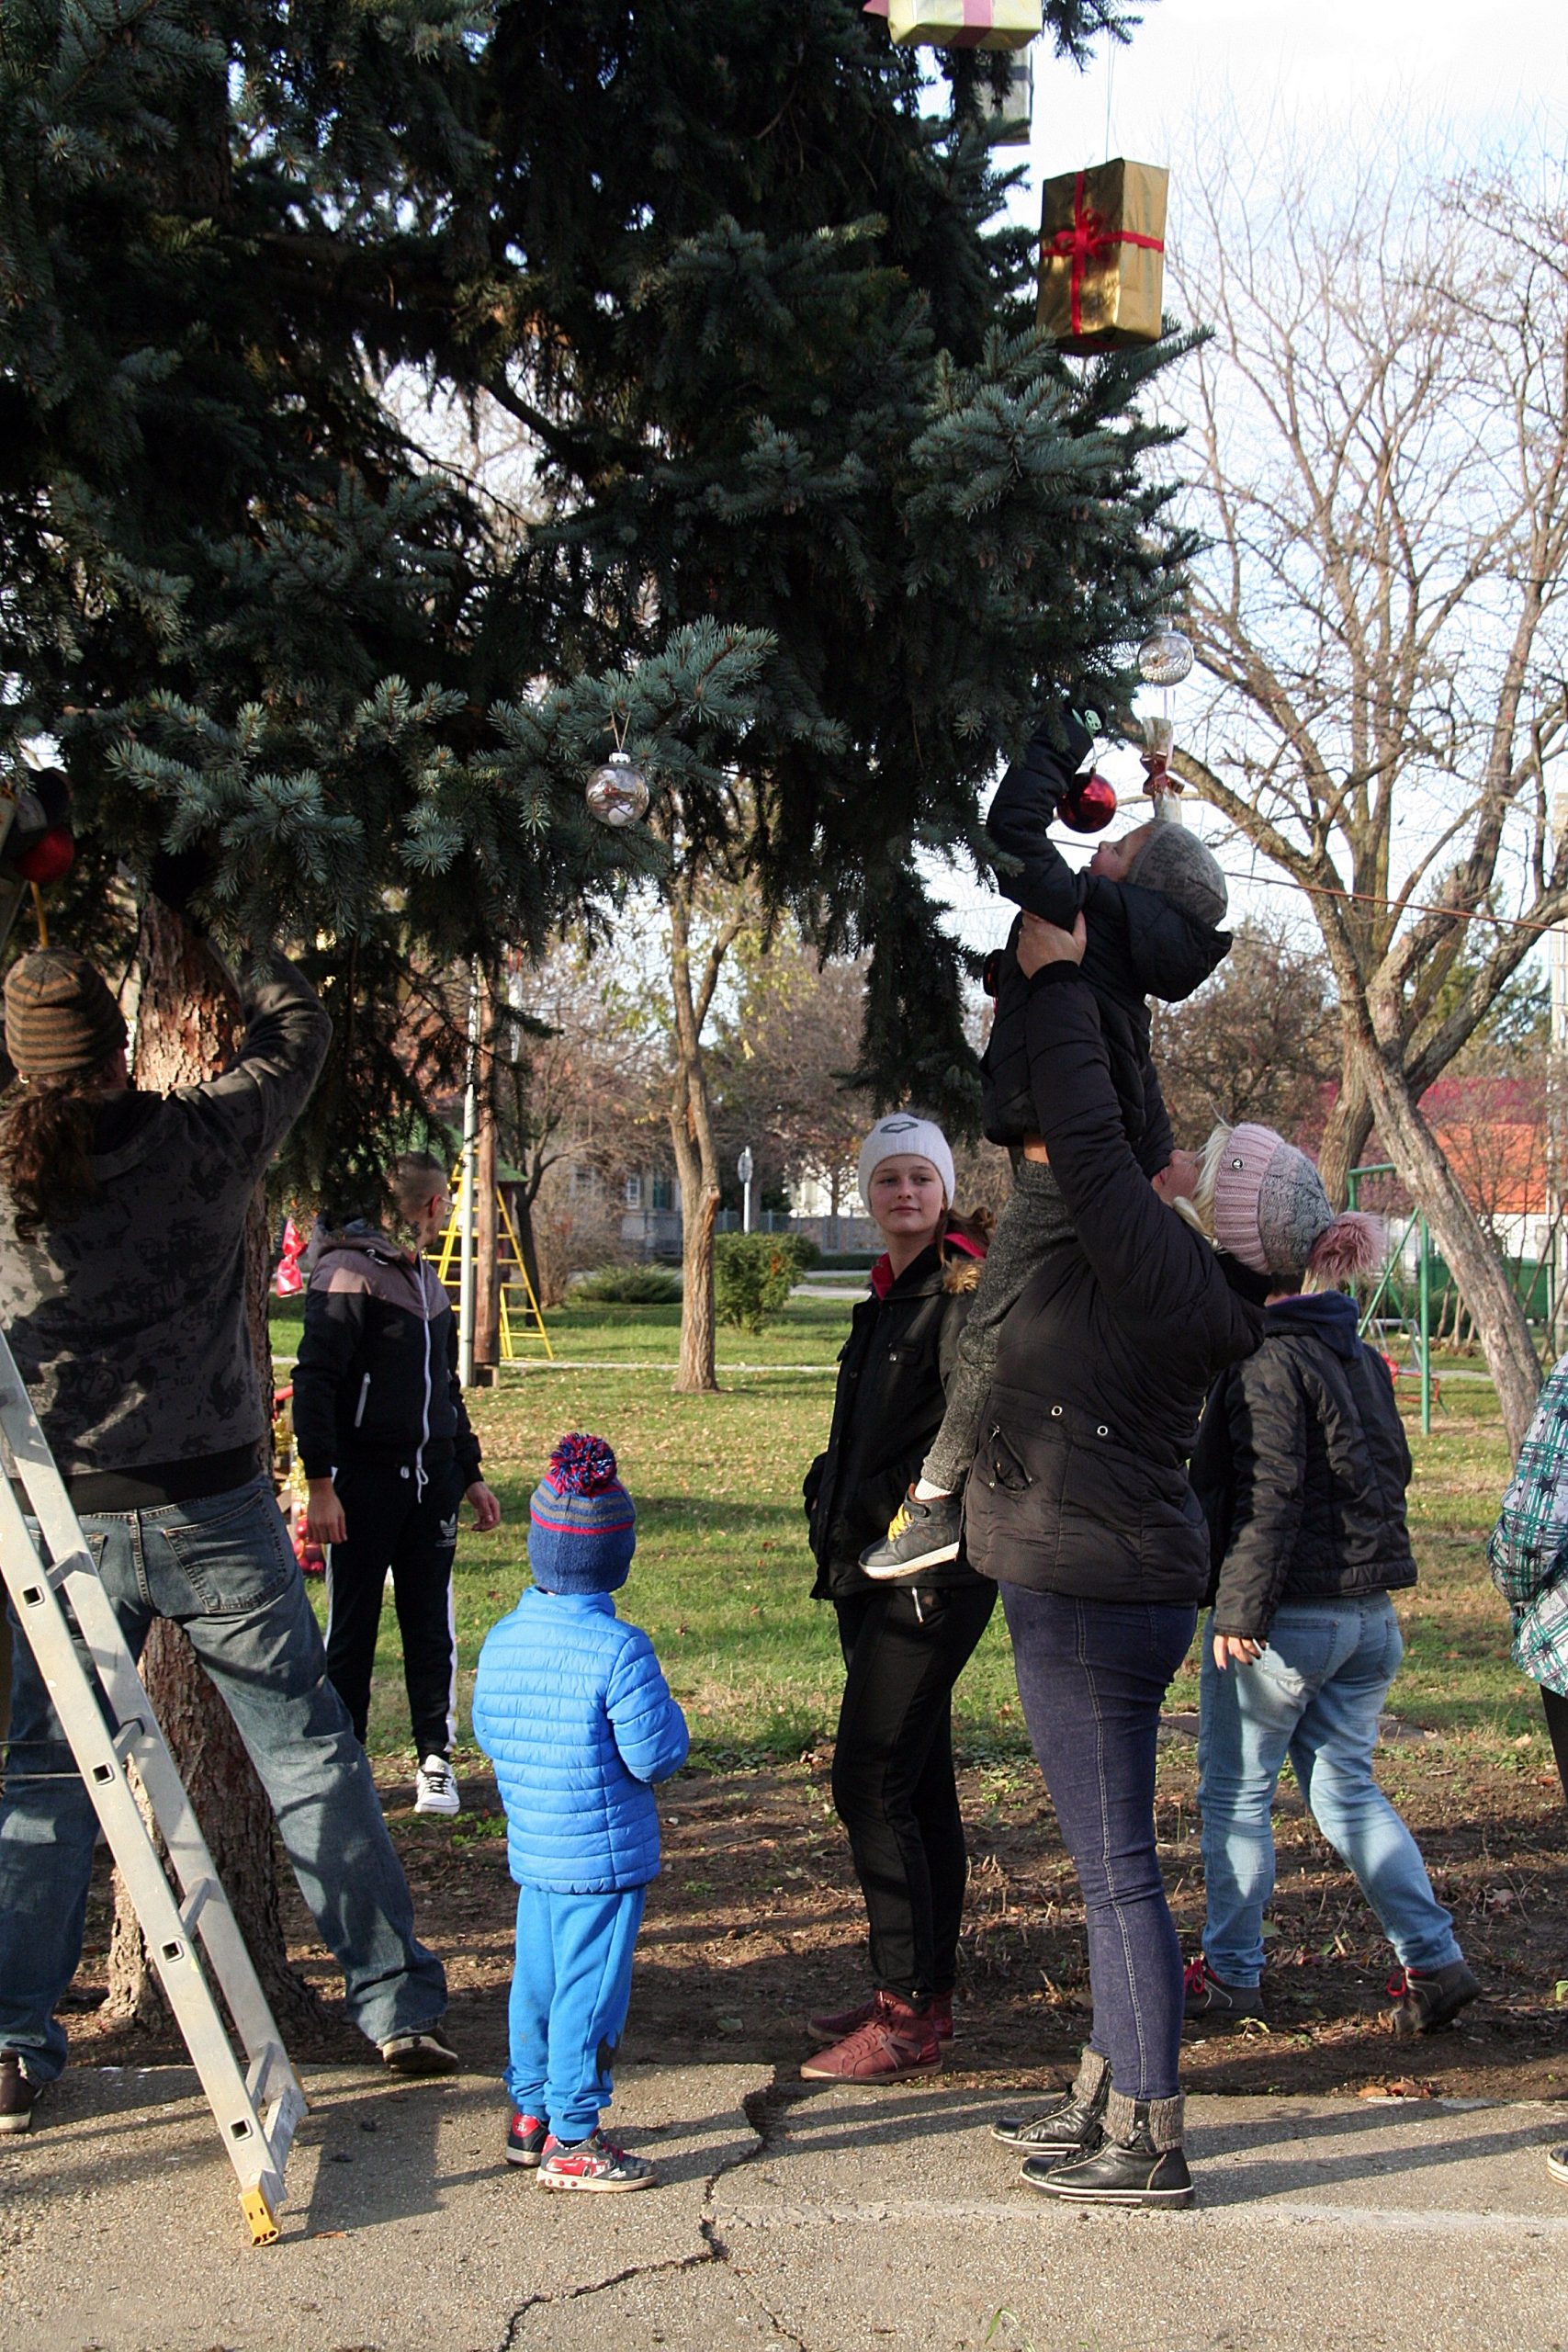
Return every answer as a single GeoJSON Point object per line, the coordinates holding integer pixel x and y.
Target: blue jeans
{"type": "Point", "coordinates": [571, 1987]}
{"type": "Point", "coordinates": [1314, 1695]}
{"type": "Point", "coordinates": [1092, 1676]}
{"type": "Point", "coordinates": [222, 1567]}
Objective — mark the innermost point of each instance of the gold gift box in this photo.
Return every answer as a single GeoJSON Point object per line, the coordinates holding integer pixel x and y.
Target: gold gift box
{"type": "Point", "coordinates": [966, 24]}
{"type": "Point", "coordinates": [1102, 256]}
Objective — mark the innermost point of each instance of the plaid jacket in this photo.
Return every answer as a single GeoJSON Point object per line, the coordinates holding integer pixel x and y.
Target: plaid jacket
{"type": "Point", "coordinates": [1528, 1551]}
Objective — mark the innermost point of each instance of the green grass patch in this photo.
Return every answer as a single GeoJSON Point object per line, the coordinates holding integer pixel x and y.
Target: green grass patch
{"type": "Point", "coordinates": [722, 1575]}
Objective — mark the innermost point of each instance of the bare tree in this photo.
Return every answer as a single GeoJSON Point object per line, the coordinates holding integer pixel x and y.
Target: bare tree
{"type": "Point", "coordinates": [1258, 1041]}
{"type": "Point", "coordinates": [1380, 456]}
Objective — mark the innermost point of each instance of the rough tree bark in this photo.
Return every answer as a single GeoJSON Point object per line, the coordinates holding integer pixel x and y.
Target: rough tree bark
{"type": "Point", "coordinates": [186, 1026]}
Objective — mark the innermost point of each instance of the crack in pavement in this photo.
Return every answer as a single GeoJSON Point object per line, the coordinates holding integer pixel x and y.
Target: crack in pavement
{"type": "Point", "coordinates": [758, 2109]}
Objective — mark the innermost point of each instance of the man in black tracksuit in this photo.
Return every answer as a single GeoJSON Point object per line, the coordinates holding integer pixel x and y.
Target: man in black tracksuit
{"type": "Point", "coordinates": [389, 1455]}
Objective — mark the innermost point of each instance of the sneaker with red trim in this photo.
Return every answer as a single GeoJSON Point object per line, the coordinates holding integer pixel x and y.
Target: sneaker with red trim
{"type": "Point", "coordinates": [525, 2138]}
{"type": "Point", "coordinates": [895, 2042]}
{"type": "Point", "coordinates": [1207, 2000]}
{"type": "Point", "coordinates": [593, 2163]}
{"type": "Point", "coordinates": [836, 2025]}
{"type": "Point", "coordinates": [1426, 1998]}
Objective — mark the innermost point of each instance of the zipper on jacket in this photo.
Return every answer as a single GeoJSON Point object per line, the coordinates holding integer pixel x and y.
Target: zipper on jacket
{"type": "Point", "coordinates": [364, 1396]}
{"type": "Point", "coordinates": [420, 1480]}
{"type": "Point", "coordinates": [1023, 1479]}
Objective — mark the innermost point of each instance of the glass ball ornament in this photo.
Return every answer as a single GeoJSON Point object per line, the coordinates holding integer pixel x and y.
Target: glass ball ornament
{"type": "Point", "coordinates": [617, 792]}
{"type": "Point", "coordinates": [1165, 658]}
{"type": "Point", "coordinates": [1088, 804]}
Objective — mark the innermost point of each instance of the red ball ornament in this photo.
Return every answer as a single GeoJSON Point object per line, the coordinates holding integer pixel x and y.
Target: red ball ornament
{"type": "Point", "coordinates": [1088, 804]}
{"type": "Point", "coordinates": [47, 858]}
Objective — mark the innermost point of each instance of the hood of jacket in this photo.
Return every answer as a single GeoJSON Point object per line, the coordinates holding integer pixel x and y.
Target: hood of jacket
{"type": "Point", "coordinates": [1170, 952]}
{"type": "Point", "coordinates": [1330, 1316]}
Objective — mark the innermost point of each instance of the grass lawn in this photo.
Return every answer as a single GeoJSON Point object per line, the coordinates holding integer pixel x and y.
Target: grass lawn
{"type": "Point", "coordinates": [722, 1573]}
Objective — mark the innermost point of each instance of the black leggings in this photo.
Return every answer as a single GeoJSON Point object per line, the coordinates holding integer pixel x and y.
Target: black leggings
{"type": "Point", "coordinates": [1556, 1707]}
{"type": "Point", "coordinates": [893, 1780]}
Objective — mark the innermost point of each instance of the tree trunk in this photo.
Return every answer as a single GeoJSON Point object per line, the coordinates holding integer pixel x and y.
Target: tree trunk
{"type": "Point", "coordinates": [487, 1296]}
{"type": "Point", "coordinates": [186, 1025]}
{"type": "Point", "coordinates": [697, 1155]}
{"type": "Point", "coordinates": [1483, 1280]}
{"type": "Point", "coordinates": [1345, 1137]}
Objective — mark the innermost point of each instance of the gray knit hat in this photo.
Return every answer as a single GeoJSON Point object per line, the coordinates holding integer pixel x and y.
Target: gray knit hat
{"type": "Point", "coordinates": [1176, 863]}
{"type": "Point", "coordinates": [60, 1017]}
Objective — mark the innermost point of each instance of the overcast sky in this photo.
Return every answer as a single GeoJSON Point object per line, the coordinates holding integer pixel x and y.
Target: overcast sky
{"type": "Point", "coordinates": [1438, 75]}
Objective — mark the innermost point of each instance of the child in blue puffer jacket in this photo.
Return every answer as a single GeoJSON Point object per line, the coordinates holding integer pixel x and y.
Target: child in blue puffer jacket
{"type": "Point", "coordinates": [572, 1710]}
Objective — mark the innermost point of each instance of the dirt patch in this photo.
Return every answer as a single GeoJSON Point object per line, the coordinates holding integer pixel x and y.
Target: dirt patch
{"type": "Point", "coordinates": [757, 1920]}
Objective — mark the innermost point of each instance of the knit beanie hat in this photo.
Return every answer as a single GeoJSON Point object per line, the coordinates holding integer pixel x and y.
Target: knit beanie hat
{"type": "Point", "coordinates": [1176, 863]}
{"type": "Point", "coordinates": [1271, 1212]}
{"type": "Point", "coordinates": [904, 1131]}
{"type": "Point", "coordinates": [582, 1521]}
{"type": "Point", "coordinates": [60, 1016]}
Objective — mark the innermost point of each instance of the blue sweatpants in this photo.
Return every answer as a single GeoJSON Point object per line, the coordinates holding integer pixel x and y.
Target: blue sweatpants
{"type": "Point", "coordinates": [572, 1985]}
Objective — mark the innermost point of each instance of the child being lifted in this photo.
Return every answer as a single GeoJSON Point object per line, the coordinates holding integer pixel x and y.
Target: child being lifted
{"type": "Point", "coordinates": [1152, 902]}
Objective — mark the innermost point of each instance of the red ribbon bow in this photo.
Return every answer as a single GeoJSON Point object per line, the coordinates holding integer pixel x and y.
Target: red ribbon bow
{"type": "Point", "coordinates": [1084, 242]}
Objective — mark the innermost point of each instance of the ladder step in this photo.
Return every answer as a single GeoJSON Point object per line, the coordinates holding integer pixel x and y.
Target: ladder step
{"type": "Point", "coordinates": [196, 1901]}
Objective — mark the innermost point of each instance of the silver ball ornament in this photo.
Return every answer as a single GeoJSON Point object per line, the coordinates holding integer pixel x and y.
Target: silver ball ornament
{"type": "Point", "coordinates": [617, 792]}
{"type": "Point", "coordinates": [1165, 658]}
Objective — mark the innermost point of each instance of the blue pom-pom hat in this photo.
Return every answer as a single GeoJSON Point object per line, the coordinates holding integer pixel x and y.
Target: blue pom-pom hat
{"type": "Point", "coordinates": [582, 1521]}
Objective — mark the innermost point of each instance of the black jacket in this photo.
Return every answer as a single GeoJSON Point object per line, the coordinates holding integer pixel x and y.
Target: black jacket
{"type": "Point", "coordinates": [1139, 945]}
{"type": "Point", "coordinates": [1301, 1467]}
{"type": "Point", "coordinates": [377, 1380]}
{"type": "Point", "coordinates": [893, 1375]}
{"type": "Point", "coordinates": [1079, 1484]}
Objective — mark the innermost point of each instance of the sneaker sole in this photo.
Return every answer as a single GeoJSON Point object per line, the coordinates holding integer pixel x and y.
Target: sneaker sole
{"type": "Point", "coordinates": [1063, 2150]}
{"type": "Point", "coordinates": [869, 2081]}
{"type": "Point", "coordinates": [1557, 2163]}
{"type": "Point", "coordinates": [600, 2188]}
{"type": "Point", "coordinates": [529, 2163]}
{"type": "Point", "coordinates": [12, 2126]}
{"type": "Point", "coordinates": [438, 1805]}
{"type": "Point", "coordinates": [1177, 2197]}
{"type": "Point", "coordinates": [936, 1559]}
{"type": "Point", "coordinates": [415, 2064]}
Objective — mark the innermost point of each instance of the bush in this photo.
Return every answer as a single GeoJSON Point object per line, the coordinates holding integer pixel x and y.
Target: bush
{"type": "Point", "coordinates": [752, 1273]}
{"type": "Point", "coordinates": [629, 1286]}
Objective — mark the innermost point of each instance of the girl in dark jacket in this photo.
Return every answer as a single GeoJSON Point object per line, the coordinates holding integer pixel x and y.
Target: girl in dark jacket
{"type": "Point", "coordinates": [906, 1643]}
{"type": "Point", "coordinates": [1301, 1467]}
{"type": "Point", "coordinates": [1080, 1505]}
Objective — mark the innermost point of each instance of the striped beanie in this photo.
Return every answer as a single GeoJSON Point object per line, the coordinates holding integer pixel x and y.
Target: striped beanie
{"type": "Point", "coordinates": [582, 1521]}
{"type": "Point", "coordinates": [60, 1017]}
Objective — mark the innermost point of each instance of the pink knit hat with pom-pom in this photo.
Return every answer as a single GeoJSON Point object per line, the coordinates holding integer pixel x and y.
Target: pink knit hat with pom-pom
{"type": "Point", "coordinates": [1271, 1212]}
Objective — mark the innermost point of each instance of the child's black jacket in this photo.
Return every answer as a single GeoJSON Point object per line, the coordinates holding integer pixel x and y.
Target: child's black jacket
{"type": "Point", "coordinates": [1139, 945]}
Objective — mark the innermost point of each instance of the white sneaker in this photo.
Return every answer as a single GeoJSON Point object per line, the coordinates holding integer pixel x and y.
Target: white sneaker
{"type": "Point", "coordinates": [437, 1791]}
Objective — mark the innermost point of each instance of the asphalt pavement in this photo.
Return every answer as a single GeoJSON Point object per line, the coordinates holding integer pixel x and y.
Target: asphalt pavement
{"type": "Point", "coordinates": [846, 2221]}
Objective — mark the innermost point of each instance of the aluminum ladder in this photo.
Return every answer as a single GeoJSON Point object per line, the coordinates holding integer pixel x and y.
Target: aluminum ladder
{"type": "Point", "coordinates": [105, 1712]}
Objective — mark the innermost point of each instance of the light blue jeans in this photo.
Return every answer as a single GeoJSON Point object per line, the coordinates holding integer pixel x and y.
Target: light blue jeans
{"type": "Point", "coordinates": [223, 1567]}
{"type": "Point", "coordinates": [1314, 1695]}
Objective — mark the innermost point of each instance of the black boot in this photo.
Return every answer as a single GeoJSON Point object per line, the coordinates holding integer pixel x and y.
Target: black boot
{"type": "Point", "coordinates": [1070, 2126]}
{"type": "Point", "coordinates": [1138, 2161]}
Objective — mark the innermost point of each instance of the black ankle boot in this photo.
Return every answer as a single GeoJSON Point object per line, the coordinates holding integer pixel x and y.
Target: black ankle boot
{"type": "Point", "coordinates": [1070, 2126]}
{"type": "Point", "coordinates": [1139, 2161]}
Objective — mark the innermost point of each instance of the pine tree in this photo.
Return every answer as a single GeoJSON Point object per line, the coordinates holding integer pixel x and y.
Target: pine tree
{"type": "Point", "coordinates": [772, 340]}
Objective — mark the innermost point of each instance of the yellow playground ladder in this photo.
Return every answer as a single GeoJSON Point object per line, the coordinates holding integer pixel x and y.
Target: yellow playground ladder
{"type": "Point", "coordinates": [522, 1321]}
